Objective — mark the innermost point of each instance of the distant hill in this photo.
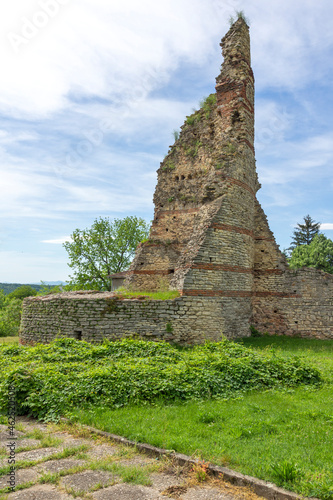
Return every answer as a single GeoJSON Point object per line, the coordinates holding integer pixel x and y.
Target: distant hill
{"type": "Point", "coordinates": [10, 287]}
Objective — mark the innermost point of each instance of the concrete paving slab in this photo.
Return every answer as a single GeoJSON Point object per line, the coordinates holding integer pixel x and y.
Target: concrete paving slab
{"type": "Point", "coordinates": [206, 494]}
{"type": "Point", "coordinates": [5, 435]}
{"type": "Point", "coordinates": [137, 460]}
{"type": "Point", "coordinates": [40, 492]}
{"type": "Point", "coordinates": [55, 466]}
{"type": "Point", "coordinates": [27, 442]}
{"type": "Point", "coordinates": [37, 454]}
{"type": "Point", "coordinates": [21, 476]}
{"type": "Point", "coordinates": [101, 451]}
{"type": "Point", "coordinates": [161, 481]}
{"type": "Point", "coordinates": [88, 480]}
{"type": "Point", "coordinates": [128, 492]}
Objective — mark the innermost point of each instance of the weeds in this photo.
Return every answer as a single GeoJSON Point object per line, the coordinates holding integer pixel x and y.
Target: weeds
{"type": "Point", "coordinates": [208, 104]}
{"type": "Point", "coordinates": [176, 135]}
{"type": "Point", "coordinates": [201, 471]}
{"type": "Point", "coordinates": [285, 472]}
{"type": "Point", "coordinates": [239, 15]}
{"type": "Point", "coordinates": [192, 119]}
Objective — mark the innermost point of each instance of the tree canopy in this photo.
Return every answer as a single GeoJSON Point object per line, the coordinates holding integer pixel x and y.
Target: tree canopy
{"type": "Point", "coordinates": [304, 233]}
{"type": "Point", "coordinates": [318, 254]}
{"type": "Point", "coordinates": [22, 292]}
{"type": "Point", "coordinates": [107, 247]}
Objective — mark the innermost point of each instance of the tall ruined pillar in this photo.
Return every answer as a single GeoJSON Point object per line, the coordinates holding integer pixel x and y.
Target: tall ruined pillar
{"type": "Point", "coordinates": [202, 237]}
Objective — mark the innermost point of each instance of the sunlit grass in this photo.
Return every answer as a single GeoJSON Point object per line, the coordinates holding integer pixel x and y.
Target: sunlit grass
{"type": "Point", "coordinates": [281, 435]}
{"type": "Point", "coordinates": [9, 340]}
{"type": "Point", "coordinates": [159, 295]}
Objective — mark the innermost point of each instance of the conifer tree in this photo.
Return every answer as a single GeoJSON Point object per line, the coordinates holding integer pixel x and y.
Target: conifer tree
{"type": "Point", "coordinates": [304, 233]}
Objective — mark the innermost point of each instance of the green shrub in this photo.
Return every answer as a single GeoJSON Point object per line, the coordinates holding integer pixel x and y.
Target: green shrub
{"type": "Point", "coordinates": [208, 104]}
{"type": "Point", "coordinates": [255, 332]}
{"type": "Point", "coordinates": [10, 318]}
{"type": "Point", "coordinates": [51, 379]}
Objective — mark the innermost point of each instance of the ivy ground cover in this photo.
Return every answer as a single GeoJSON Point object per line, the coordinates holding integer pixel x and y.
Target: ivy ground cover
{"type": "Point", "coordinates": [228, 402]}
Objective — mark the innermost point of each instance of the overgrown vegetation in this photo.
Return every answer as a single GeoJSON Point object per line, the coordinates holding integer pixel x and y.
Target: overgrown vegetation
{"type": "Point", "coordinates": [239, 15]}
{"type": "Point", "coordinates": [51, 379]}
{"type": "Point", "coordinates": [162, 294]}
{"type": "Point", "coordinates": [11, 309]}
{"type": "Point", "coordinates": [283, 434]}
{"type": "Point", "coordinates": [193, 150]}
{"type": "Point", "coordinates": [194, 118]}
{"type": "Point", "coordinates": [208, 104]}
{"type": "Point", "coordinates": [175, 134]}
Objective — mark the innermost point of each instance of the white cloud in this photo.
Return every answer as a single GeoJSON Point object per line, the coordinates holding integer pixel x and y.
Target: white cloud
{"type": "Point", "coordinates": [107, 49]}
{"type": "Point", "coordinates": [58, 241]}
{"type": "Point", "coordinates": [326, 226]}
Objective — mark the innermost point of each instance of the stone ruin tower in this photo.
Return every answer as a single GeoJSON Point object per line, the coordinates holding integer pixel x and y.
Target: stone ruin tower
{"type": "Point", "coordinates": [202, 237]}
{"type": "Point", "coordinates": [209, 239]}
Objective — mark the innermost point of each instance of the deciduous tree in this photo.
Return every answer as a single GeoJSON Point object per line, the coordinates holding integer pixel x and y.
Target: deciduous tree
{"type": "Point", "coordinates": [106, 248]}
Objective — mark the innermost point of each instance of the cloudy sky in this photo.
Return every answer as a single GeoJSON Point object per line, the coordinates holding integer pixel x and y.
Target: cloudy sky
{"type": "Point", "coordinates": [91, 91]}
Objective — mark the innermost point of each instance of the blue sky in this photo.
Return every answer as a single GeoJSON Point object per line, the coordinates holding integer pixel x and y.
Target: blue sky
{"type": "Point", "coordinates": [91, 91]}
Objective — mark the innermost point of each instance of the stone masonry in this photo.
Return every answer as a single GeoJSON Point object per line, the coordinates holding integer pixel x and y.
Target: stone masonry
{"type": "Point", "coordinates": [209, 239]}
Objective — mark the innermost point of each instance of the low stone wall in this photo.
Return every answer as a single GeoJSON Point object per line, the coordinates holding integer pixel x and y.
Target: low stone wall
{"type": "Point", "coordinates": [97, 316]}
{"type": "Point", "coordinates": [296, 303]}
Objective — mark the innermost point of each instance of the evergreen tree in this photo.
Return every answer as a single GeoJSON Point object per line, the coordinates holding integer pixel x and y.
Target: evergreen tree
{"type": "Point", "coordinates": [304, 233]}
{"type": "Point", "coordinates": [318, 254]}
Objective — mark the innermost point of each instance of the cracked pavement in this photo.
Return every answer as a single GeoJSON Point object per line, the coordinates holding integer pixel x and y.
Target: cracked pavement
{"type": "Point", "coordinates": [62, 462]}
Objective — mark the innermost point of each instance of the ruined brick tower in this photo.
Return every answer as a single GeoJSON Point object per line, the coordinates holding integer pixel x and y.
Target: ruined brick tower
{"type": "Point", "coordinates": [202, 238]}
{"type": "Point", "coordinates": [210, 240]}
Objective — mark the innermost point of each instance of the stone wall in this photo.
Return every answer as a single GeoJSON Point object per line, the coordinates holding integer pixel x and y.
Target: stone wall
{"type": "Point", "coordinates": [298, 302]}
{"type": "Point", "coordinates": [97, 316]}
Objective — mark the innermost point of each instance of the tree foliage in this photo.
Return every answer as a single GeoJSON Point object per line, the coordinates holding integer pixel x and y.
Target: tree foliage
{"type": "Point", "coordinates": [304, 233]}
{"type": "Point", "coordinates": [22, 292]}
{"type": "Point", "coordinates": [106, 248]}
{"type": "Point", "coordinates": [318, 254]}
{"type": "Point", "coordinates": [11, 309]}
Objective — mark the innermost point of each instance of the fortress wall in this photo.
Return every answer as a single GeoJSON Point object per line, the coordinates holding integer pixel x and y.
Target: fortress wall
{"type": "Point", "coordinates": [97, 316]}
{"type": "Point", "coordinates": [288, 302]}
{"type": "Point", "coordinates": [302, 304]}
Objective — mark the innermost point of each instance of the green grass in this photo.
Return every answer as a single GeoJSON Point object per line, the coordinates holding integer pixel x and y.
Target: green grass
{"type": "Point", "coordinates": [9, 340]}
{"type": "Point", "coordinates": [284, 435]}
{"type": "Point", "coordinates": [160, 295]}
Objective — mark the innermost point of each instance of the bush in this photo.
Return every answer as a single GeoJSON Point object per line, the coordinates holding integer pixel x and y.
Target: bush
{"type": "Point", "coordinates": [10, 318]}
{"type": "Point", "coordinates": [22, 292]}
{"type": "Point", "coordinates": [51, 379]}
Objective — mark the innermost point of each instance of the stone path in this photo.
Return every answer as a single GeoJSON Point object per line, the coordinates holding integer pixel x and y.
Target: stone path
{"type": "Point", "coordinates": [65, 462]}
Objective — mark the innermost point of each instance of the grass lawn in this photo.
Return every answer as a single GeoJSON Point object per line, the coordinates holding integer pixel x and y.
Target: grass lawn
{"type": "Point", "coordinates": [9, 340]}
{"type": "Point", "coordinates": [282, 435]}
